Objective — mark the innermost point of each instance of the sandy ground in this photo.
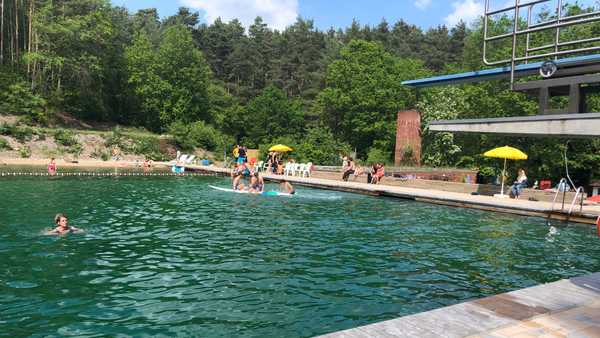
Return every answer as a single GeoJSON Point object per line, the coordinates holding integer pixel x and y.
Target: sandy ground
{"type": "Point", "coordinates": [61, 163]}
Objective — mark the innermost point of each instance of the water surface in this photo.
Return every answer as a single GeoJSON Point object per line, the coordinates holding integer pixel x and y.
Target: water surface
{"type": "Point", "coordinates": [172, 257]}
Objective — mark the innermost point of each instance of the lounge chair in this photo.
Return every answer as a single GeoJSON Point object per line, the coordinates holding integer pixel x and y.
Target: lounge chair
{"type": "Point", "coordinates": [190, 159]}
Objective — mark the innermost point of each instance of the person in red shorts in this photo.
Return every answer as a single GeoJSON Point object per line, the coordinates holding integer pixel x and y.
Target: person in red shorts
{"type": "Point", "coordinates": [52, 167]}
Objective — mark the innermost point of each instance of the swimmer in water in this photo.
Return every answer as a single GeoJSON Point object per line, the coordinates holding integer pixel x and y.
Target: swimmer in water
{"type": "Point", "coordinates": [286, 187]}
{"type": "Point", "coordinates": [62, 226]}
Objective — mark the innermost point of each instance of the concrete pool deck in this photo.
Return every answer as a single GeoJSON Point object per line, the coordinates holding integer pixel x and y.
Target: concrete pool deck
{"type": "Point", "coordinates": [588, 214]}
{"type": "Point", "coordinates": [566, 308]}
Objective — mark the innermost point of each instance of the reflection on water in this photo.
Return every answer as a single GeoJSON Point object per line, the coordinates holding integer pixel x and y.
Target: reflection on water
{"type": "Point", "coordinates": [173, 257]}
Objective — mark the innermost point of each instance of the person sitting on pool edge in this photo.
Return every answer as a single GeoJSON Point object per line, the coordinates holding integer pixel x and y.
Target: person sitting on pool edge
{"type": "Point", "coordinates": [286, 187]}
{"type": "Point", "coordinates": [62, 226]}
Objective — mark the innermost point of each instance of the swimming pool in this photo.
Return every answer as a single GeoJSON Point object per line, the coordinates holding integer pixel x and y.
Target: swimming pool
{"type": "Point", "coordinates": [172, 257]}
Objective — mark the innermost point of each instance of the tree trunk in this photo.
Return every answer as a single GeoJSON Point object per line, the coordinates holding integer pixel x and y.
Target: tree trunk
{"type": "Point", "coordinates": [1, 31]}
{"type": "Point", "coordinates": [29, 33]}
{"type": "Point", "coordinates": [17, 45]}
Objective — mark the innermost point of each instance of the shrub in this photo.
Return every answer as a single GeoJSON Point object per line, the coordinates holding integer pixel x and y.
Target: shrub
{"type": "Point", "coordinates": [75, 149]}
{"type": "Point", "coordinates": [320, 147]}
{"type": "Point", "coordinates": [377, 155]}
{"type": "Point", "coordinates": [21, 133]}
{"type": "Point", "coordinates": [196, 135]}
{"type": "Point", "coordinates": [117, 139]}
{"type": "Point", "coordinates": [65, 137]}
{"type": "Point", "coordinates": [18, 99]}
{"type": "Point", "coordinates": [149, 147]}
{"type": "Point", "coordinates": [4, 145]}
{"type": "Point", "coordinates": [25, 152]}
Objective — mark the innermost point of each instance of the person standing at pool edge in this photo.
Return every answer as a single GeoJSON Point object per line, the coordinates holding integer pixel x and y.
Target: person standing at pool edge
{"type": "Point", "coordinates": [62, 226]}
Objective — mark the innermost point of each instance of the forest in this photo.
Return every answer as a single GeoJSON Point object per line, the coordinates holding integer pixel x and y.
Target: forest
{"type": "Point", "coordinates": [211, 85]}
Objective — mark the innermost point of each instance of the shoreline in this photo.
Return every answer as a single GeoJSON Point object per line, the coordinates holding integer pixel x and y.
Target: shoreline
{"type": "Point", "coordinates": [61, 163]}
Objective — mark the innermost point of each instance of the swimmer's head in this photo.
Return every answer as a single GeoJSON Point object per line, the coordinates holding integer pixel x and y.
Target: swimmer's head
{"type": "Point", "coordinates": [60, 219]}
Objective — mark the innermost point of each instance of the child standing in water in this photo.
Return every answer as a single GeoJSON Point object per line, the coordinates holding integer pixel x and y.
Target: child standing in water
{"type": "Point", "coordinates": [52, 167]}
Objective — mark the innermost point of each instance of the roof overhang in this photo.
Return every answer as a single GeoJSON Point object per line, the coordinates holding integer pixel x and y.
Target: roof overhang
{"type": "Point", "coordinates": [565, 125]}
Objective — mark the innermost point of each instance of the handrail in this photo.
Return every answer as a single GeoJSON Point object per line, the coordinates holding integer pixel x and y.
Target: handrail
{"type": "Point", "coordinates": [554, 24]}
{"type": "Point", "coordinates": [578, 191]}
{"type": "Point", "coordinates": [562, 180]}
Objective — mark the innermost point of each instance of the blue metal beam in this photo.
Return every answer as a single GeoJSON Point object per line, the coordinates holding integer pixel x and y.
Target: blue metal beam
{"type": "Point", "coordinates": [499, 73]}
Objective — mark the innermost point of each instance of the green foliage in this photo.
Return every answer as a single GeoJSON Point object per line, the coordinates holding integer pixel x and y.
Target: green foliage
{"type": "Point", "coordinates": [149, 147]}
{"type": "Point", "coordinates": [65, 138]}
{"type": "Point", "coordinates": [100, 153]}
{"type": "Point", "coordinates": [18, 99]}
{"type": "Point", "coordinates": [376, 155]}
{"type": "Point", "coordinates": [117, 139]}
{"type": "Point", "coordinates": [169, 80]}
{"type": "Point", "coordinates": [270, 115]}
{"type": "Point", "coordinates": [320, 147]}
{"type": "Point", "coordinates": [75, 149]}
{"type": "Point", "coordinates": [4, 145]}
{"type": "Point", "coordinates": [439, 149]}
{"type": "Point", "coordinates": [19, 132]}
{"type": "Point", "coordinates": [25, 152]}
{"type": "Point", "coordinates": [198, 135]}
{"type": "Point", "coordinates": [364, 94]}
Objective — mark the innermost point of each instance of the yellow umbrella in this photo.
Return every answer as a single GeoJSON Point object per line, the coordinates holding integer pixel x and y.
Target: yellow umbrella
{"type": "Point", "coordinates": [280, 148]}
{"type": "Point", "coordinates": [507, 153]}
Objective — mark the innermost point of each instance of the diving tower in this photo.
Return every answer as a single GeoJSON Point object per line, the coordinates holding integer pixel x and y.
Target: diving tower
{"type": "Point", "coordinates": [575, 76]}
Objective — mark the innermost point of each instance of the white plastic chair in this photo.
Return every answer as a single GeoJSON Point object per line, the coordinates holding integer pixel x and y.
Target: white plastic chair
{"type": "Point", "coordinates": [258, 166]}
{"type": "Point", "coordinates": [300, 169]}
{"type": "Point", "coordinates": [306, 170]}
{"type": "Point", "coordinates": [289, 169]}
{"type": "Point", "coordinates": [183, 158]}
{"type": "Point", "coordinates": [189, 159]}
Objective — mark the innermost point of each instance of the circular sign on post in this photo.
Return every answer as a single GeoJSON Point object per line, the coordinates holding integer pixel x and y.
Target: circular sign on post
{"type": "Point", "coordinates": [548, 69]}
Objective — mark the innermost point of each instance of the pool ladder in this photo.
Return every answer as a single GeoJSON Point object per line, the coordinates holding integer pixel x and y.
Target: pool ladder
{"type": "Point", "coordinates": [580, 192]}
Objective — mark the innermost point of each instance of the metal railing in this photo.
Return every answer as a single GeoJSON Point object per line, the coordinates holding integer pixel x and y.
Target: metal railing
{"type": "Point", "coordinates": [580, 191]}
{"type": "Point", "coordinates": [562, 183]}
{"type": "Point", "coordinates": [557, 48]}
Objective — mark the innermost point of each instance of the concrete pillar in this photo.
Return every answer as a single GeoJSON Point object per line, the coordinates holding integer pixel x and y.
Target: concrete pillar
{"type": "Point", "coordinates": [408, 137]}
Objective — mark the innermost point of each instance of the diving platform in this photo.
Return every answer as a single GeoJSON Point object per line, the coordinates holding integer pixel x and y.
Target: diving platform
{"type": "Point", "coordinates": [566, 67]}
{"type": "Point", "coordinates": [563, 125]}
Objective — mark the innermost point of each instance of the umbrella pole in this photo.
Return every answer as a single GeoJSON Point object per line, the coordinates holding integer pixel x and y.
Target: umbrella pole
{"type": "Point", "coordinates": [503, 175]}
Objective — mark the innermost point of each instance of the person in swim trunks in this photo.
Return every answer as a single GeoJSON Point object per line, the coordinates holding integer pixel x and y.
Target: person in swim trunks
{"type": "Point", "coordinates": [62, 226]}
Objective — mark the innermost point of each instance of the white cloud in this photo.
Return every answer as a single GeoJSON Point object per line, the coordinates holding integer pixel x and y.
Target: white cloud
{"type": "Point", "coordinates": [275, 13]}
{"type": "Point", "coordinates": [422, 4]}
{"type": "Point", "coordinates": [465, 10]}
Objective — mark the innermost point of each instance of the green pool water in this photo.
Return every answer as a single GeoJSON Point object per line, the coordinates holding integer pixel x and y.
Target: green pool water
{"type": "Point", "coordinates": [172, 257]}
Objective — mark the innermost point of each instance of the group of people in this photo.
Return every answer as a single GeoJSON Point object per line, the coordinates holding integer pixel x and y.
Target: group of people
{"type": "Point", "coordinates": [374, 176]}
{"type": "Point", "coordinates": [240, 154]}
{"type": "Point", "coordinates": [256, 184]}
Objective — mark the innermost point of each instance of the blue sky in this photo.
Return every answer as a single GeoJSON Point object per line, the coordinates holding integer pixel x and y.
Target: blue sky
{"type": "Point", "coordinates": [327, 13]}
